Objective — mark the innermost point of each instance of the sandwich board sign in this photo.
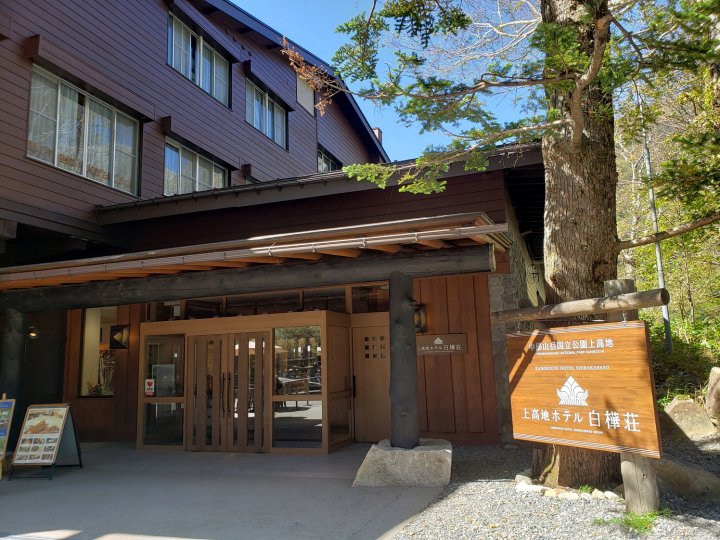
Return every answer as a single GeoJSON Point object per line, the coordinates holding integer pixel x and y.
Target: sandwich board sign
{"type": "Point", "coordinates": [47, 439]}
{"type": "Point", "coordinates": [6, 414]}
{"type": "Point", "coordinates": [588, 386]}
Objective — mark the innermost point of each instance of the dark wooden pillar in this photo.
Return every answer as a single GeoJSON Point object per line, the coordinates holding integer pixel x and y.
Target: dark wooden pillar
{"type": "Point", "coordinates": [12, 350]}
{"type": "Point", "coordinates": [404, 424]}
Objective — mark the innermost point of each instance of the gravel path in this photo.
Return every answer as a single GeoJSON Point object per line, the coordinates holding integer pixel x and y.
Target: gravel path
{"type": "Point", "coordinates": [481, 502]}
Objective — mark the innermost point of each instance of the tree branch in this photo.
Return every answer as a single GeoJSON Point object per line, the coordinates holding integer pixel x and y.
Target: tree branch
{"type": "Point", "coordinates": [602, 30]}
{"type": "Point", "coordinates": [664, 235]}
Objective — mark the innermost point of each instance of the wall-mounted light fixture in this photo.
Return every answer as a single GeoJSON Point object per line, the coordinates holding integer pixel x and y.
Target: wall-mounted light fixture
{"type": "Point", "coordinates": [420, 317]}
{"type": "Point", "coordinates": [32, 333]}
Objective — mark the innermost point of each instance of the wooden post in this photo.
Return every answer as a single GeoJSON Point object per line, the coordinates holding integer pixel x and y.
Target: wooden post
{"type": "Point", "coordinates": [12, 351]}
{"type": "Point", "coordinates": [639, 479]}
{"type": "Point", "coordinates": [404, 423]}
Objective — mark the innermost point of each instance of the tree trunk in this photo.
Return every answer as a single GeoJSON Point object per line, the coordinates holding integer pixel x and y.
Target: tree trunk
{"type": "Point", "coordinates": [580, 248]}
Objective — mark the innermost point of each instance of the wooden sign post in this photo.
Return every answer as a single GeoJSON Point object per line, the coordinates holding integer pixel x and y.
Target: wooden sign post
{"type": "Point", "coordinates": [586, 386]}
{"type": "Point", "coordinates": [7, 406]}
{"type": "Point", "coordinates": [47, 439]}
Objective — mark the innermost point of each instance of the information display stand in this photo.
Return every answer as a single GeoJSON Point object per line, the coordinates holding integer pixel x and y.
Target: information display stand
{"type": "Point", "coordinates": [7, 406]}
{"type": "Point", "coordinates": [47, 439]}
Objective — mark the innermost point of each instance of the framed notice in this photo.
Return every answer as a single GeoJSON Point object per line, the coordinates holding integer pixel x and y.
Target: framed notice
{"type": "Point", "coordinates": [40, 435]}
{"type": "Point", "coordinates": [6, 413]}
{"type": "Point", "coordinates": [587, 386]}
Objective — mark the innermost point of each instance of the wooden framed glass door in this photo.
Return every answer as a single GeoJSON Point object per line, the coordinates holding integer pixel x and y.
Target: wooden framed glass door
{"type": "Point", "coordinates": [225, 392]}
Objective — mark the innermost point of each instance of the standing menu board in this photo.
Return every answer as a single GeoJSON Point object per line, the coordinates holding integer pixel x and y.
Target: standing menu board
{"type": "Point", "coordinates": [6, 413]}
{"type": "Point", "coordinates": [40, 436]}
{"type": "Point", "coordinates": [47, 434]}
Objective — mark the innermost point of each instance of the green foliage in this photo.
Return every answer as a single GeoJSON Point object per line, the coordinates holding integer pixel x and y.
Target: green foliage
{"type": "Point", "coordinates": [585, 489]}
{"type": "Point", "coordinates": [637, 523]}
{"type": "Point", "coordinates": [370, 172]}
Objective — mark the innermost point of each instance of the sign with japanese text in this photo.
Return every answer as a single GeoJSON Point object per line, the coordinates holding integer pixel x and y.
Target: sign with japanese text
{"type": "Point", "coordinates": [442, 344]}
{"type": "Point", "coordinates": [588, 386]}
{"type": "Point", "coordinates": [150, 387]}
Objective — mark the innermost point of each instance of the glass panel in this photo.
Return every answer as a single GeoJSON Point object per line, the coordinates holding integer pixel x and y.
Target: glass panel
{"type": "Point", "coordinates": [370, 299]}
{"type": "Point", "coordinates": [99, 145]}
{"type": "Point", "coordinates": [207, 76]}
{"type": "Point", "coordinates": [297, 365]}
{"type": "Point", "coordinates": [210, 377]}
{"type": "Point", "coordinates": [218, 177]}
{"type": "Point", "coordinates": [70, 130]}
{"type": "Point", "coordinates": [43, 118]}
{"type": "Point", "coordinates": [270, 119]}
{"type": "Point", "coordinates": [125, 154]}
{"type": "Point", "coordinates": [165, 364]}
{"type": "Point", "coordinates": [187, 171]}
{"type": "Point", "coordinates": [249, 102]}
{"type": "Point", "coordinates": [163, 424]}
{"type": "Point", "coordinates": [102, 336]}
{"type": "Point", "coordinates": [205, 174]}
{"type": "Point", "coordinates": [221, 79]}
{"type": "Point", "coordinates": [260, 110]}
{"type": "Point", "coordinates": [325, 299]}
{"type": "Point", "coordinates": [172, 169]}
{"type": "Point", "coordinates": [182, 48]}
{"type": "Point", "coordinates": [339, 417]}
{"type": "Point", "coordinates": [170, 39]}
{"type": "Point", "coordinates": [298, 426]}
{"type": "Point", "coordinates": [279, 131]}
{"type": "Point", "coordinates": [204, 308]}
{"type": "Point", "coordinates": [194, 59]}
{"type": "Point", "coordinates": [254, 374]}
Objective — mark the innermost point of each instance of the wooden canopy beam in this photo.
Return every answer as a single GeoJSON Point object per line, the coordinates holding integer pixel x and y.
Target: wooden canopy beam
{"type": "Point", "coordinates": [371, 267]}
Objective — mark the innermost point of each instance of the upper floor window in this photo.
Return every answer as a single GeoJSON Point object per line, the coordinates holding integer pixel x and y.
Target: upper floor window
{"type": "Point", "coordinates": [190, 54]}
{"type": "Point", "coordinates": [186, 171]}
{"type": "Point", "coordinates": [72, 130]}
{"type": "Point", "coordinates": [305, 95]}
{"type": "Point", "coordinates": [326, 161]}
{"type": "Point", "coordinates": [265, 113]}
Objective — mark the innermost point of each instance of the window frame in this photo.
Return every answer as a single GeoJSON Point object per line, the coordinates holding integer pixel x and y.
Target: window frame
{"type": "Point", "coordinates": [196, 57]}
{"type": "Point", "coordinates": [196, 158]}
{"type": "Point", "coordinates": [270, 105]}
{"type": "Point", "coordinates": [323, 154]}
{"type": "Point", "coordinates": [113, 149]}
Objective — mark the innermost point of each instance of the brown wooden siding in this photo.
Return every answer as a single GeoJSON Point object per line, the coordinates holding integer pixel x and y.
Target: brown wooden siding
{"type": "Point", "coordinates": [470, 193]}
{"type": "Point", "coordinates": [118, 51]}
{"type": "Point", "coordinates": [457, 392]}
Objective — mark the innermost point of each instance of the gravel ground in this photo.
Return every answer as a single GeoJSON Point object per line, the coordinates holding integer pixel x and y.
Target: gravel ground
{"type": "Point", "coordinates": [481, 502]}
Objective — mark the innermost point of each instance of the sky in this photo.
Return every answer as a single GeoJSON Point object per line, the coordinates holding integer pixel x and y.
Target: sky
{"type": "Point", "coordinates": [311, 24]}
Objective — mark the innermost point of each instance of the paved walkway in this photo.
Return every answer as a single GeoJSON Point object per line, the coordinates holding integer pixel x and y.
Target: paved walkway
{"type": "Point", "coordinates": [129, 494]}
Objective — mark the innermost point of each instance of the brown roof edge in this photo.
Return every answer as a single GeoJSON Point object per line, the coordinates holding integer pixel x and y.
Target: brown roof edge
{"type": "Point", "coordinates": [315, 185]}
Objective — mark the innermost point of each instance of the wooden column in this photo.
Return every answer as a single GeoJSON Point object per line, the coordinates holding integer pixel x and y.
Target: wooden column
{"type": "Point", "coordinates": [404, 425]}
{"type": "Point", "coordinates": [639, 479]}
{"type": "Point", "coordinates": [12, 351]}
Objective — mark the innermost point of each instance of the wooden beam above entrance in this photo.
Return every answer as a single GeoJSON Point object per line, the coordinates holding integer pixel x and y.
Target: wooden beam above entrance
{"type": "Point", "coordinates": [253, 279]}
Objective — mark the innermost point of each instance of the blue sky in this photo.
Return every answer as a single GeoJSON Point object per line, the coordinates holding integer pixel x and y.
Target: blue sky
{"type": "Point", "coordinates": [311, 24]}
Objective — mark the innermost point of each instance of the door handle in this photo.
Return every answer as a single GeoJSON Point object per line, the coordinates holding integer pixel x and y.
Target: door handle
{"type": "Point", "coordinates": [230, 393]}
{"type": "Point", "coordinates": [354, 387]}
{"type": "Point", "coordinates": [222, 395]}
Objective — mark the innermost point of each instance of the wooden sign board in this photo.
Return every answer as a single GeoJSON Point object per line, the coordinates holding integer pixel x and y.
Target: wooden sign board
{"type": "Point", "coordinates": [588, 386]}
{"type": "Point", "coordinates": [40, 435]}
{"type": "Point", "coordinates": [441, 344]}
{"type": "Point", "coordinates": [7, 406]}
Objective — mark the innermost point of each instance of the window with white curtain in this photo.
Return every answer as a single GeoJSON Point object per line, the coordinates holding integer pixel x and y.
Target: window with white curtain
{"type": "Point", "coordinates": [187, 171]}
{"type": "Point", "coordinates": [72, 130]}
{"type": "Point", "coordinates": [189, 54]}
{"type": "Point", "coordinates": [265, 114]}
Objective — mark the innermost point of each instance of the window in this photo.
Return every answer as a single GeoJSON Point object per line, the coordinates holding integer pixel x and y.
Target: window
{"type": "Point", "coordinates": [186, 171]}
{"type": "Point", "coordinates": [326, 161]}
{"type": "Point", "coordinates": [103, 337]}
{"type": "Point", "coordinates": [189, 54]}
{"type": "Point", "coordinates": [76, 132]}
{"type": "Point", "coordinates": [265, 114]}
{"type": "Point", "coordinates": [305, 95]}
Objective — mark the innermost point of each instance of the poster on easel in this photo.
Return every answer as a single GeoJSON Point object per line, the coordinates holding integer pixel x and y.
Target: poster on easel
{"type": "Point", "coordinates": [7, 406]}
{"type": "Point", "coordinates": [47, 438]}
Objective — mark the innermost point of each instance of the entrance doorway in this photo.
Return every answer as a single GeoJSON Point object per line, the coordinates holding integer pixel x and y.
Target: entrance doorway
{"type": "Point", "coordinates": [225, 392]}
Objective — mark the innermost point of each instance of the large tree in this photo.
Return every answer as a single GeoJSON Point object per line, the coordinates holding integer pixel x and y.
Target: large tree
{"type": "Point", "coordinates": [436, 60]}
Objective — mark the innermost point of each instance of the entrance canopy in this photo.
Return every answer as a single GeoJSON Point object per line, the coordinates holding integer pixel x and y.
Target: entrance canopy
{"type": "Point", "coordinates": [315, 257]}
